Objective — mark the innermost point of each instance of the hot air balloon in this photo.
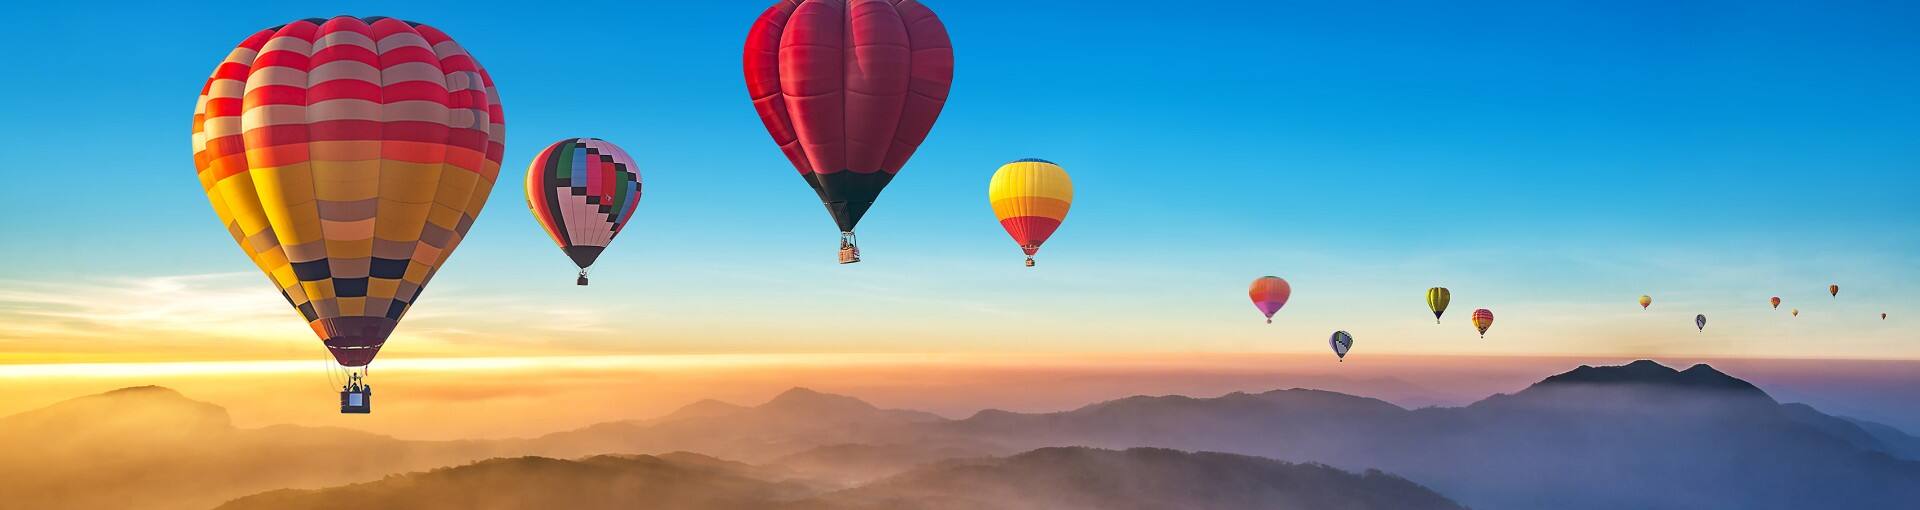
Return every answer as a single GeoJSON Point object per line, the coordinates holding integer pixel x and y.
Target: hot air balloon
{"type": "Point", "coordinates": [1834, 290]}
{"type": "Point", "coordinates": [1700, 321]}
{"type": "Point", "coordinates": [1269, 293]}
{"type": "Point", "coordinates": [1796, 312]}
{"type": "Point", "coordinates": [348, 157]}
{"type": "Point", "coordinates": [1031, 197]}
{"type": "Point", "coordinates": [1482, 319]}
{"type": "Point", "coordinates": [1645, 301]}
{"type": "Point", "coordinates": [848, 90]}
{"type": "Point", "coordinates": [582, 191]}
{"type": "Point", "coordinates": [1437, 299]}
{"type": "Point", "coordinates": [1341, 342]}
{"type": "Point", "coordinates": [1776, 302]}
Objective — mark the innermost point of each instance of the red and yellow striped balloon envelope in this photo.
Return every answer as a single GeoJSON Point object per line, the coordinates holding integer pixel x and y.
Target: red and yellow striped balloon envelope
{"type": "Point", "coordinates": [1031, 198]}
{"type": "Point", "coordinates": [348, 157]}
{"type": "Point", "coordinates": [582, 191]}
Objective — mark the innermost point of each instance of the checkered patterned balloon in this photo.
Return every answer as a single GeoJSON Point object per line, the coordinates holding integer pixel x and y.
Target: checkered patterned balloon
{"type": "Point", "coordinates": [582, 191]}
{"type": "Point", "coordinates": [348, 157]}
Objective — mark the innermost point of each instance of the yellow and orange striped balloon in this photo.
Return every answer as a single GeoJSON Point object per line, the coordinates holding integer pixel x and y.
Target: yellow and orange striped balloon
{"type": "Point", "coordinates": [348, 157]}
{"type": "Point", "coordinates": [1031, 197]}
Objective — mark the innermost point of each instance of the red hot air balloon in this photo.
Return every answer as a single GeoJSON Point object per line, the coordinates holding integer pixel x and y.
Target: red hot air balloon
{"type": "Point", "coordinates": [1269, 293]}
{"type": "Point", "coordinates": [848, 89]}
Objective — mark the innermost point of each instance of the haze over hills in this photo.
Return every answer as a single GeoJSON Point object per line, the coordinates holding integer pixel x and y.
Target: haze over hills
{"type": "Point", "coordinates": [151, 447]}
{"type": "Point", "coordinates": [1640, 435]}
{"type": "Point", "coordinates": [1045, 479]}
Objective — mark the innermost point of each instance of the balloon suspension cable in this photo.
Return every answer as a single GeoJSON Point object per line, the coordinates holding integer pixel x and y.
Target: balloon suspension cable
{"type": "Point", "coordinates": [849, 248]}
{"type": "Point", "coordinates": [582, 281]}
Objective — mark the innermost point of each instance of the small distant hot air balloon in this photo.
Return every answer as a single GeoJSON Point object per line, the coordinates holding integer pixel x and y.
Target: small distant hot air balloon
{"type": "Point", "coordinates": [1341, 342]}
{"type": "Point", "coordinates": [1031, 197]}
{"type": "Point", "coordinates": [582, 191]}
{"type": "Point", "coordinates": [1776, 302]}
{"type": "Point", "coordinates": [1796, 312]}
{"type": "Point", "coordinates": [1834, 289]}
{"type": "Point", "coordinates": [1437, 299]}
{"type": "Point", "coordinates": [1645, 301]}
{"type": "Point", "coordinates": [1269, 293]}
{"type": "Point", "coordinates": [1700, 321]}
{"type": "Point", "coordinates": [1482, 319]}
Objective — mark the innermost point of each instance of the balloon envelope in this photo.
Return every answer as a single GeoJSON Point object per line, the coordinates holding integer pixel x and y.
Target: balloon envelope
{"type": "Point", "coordinates": [348, 157]}
{"type": "Point", "coordinates": [1700, 321]}
{"type": "Point", "coordinates": [1776, 302]}
{"type": "Point", "coordinates": [1437, 300]}
{"type": "Point", "coordinates": [582, 191]}
{"type": "Point", "coordinates": [1269, 293]}
{"type": "Point", "coordinates": [1341, 343]}
{"type": "Point", "coordinates": [1834, 289]}
{"type": "Point", "coordinates": [848, 90]}
{"type": "Point", "coordinates": [1030, 197]}
{"type": "Point", "coordinates": [1482, 319]}
{"type": "Point", "coordinates": [1646, 301]}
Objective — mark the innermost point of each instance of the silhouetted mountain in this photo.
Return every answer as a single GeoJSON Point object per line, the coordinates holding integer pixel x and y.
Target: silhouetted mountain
{"type": "Point", "coordinates": [853, 464]}
{"type": "Point", "coordinates": [794, 421]}
{"type": "Point", "coordinates": [611, 482]}
{"type": "Point", "coordinates": [1635, 436]}
{"type": "Point", "coordinates": [1051, 479]}
{"type": "Point", "coordinates": [1140, 478]}
{"type": "Point", "coordinates": [1638, 436]}
{"type": "Point", "coordinates": [150, 447]}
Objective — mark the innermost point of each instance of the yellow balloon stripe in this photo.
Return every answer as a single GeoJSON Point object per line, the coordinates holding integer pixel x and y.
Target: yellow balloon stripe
{"type": "Point", "coordinates": [1015, 207]}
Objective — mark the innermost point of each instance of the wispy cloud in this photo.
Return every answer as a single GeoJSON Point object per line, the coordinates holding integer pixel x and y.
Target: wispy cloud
{"type": "Point", "coordinates": [192, 314]}
{"type": "Point", "coordinates": [229, 305]}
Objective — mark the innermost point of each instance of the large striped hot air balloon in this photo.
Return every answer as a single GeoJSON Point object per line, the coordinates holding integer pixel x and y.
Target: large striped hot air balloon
{"type": "Point", "coordinates": [848, 89]}
{"type": "Point", "coordinates": [1437, 300]}
{"type": "Point", "coordinates": [348, 157]}
{"type": "Point", "coordinates": [1482, 319]}
{"type": "Point", "coordinates": [582, 191]}
{"type": "Point", "coordinates": [1031, 197]}
{"type": "Point", "coordinates": [1269, 293]}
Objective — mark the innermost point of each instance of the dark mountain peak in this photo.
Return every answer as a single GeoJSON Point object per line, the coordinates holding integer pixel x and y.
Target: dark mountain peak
{"type": "Point", "coordinates": [1650, 374]}
{"type": "Point", "coordinates": [806, 400]}
{"type": "Point", "coordinates": [703, 409]}
{"type": "Point", "coordinates": [136, 414]}
{"type": "Point", "coordinates": [148, 391]}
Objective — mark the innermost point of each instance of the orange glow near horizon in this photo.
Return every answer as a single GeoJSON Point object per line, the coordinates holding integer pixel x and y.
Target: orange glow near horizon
{"type": "Point", "coordinates": [495, 397]}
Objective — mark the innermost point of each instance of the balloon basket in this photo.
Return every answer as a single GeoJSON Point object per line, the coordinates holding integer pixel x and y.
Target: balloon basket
{"type": "Point", "coordinates": [356, 401]}
{"type": "Point", "coordinates": [1029, 261]}
{"type": "Point", "coordinates": [849, 248]}
{"type": "Point", "coordinates": [582, 280]}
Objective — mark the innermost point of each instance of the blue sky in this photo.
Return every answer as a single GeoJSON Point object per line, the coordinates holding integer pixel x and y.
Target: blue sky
{"type": "Point", "coordinates": [1550, 160]}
